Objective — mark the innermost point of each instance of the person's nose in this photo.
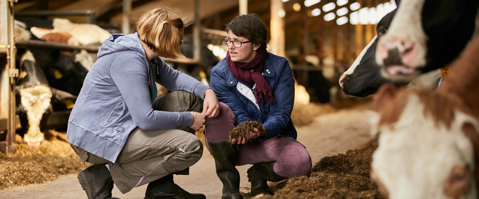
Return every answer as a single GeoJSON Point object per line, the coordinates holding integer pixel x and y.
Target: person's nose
{"type": "Point", "coordinates": [231, 45]}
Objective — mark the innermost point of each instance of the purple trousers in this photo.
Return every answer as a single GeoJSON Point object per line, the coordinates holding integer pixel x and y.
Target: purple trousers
{"type": "Point", "coordinates": [291, 157]}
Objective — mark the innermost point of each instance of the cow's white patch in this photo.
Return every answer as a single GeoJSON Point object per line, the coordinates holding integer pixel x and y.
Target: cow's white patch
{"type": "Point", "coordinates": [86, 34]}
{"type": "Point", "coordinates": [27, 56]}
{"type": "Point", "coordinates": [406, 24]}
{"type": "Point", "coordinates": [247, 92]}
{"type": "Point", "coordinates": [85, 59]}
{"type": "Point", "coordinates": [415, 155]}
{"type": "Point", "coordinates": [359, 58]}
{"type": "Point", "coordinates": [36, 100]}
{"type": "Point", "coordinates": [20, 31]}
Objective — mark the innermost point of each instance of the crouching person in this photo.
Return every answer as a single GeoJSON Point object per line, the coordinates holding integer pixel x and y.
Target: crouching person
{"type": "Point", "coordinates": [131, 137]}
{"type": "Point", "coordinates": [254, 85]}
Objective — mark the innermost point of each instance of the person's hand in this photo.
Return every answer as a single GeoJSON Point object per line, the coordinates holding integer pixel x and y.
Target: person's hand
{"type": "Point", "coordinates": [211, 107]}
{"type": "Point", "coordinates": [249, 136]}
{"type": "Point", "coordinates": [198, 120]}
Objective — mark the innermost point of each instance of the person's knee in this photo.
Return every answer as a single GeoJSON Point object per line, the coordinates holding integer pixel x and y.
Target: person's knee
{"type": "Point", "coordinates": [296, 165]}
{"type": "Point", "coordinates": [226, 115]}
{"type": "Point", "coordinates": [194, 150]}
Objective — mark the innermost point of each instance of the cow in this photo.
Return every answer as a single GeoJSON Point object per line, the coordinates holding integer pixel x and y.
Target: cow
{"type": "Point", "coordinates": [36, 100]}
{"type": "Point", "coordinates": [429, 139]}
{"type": "Point", "coordinates": [363, 77]}
{"type": "Point", "coordinates": [39, 96]}
{"type": "Point", "coordinates": [425, 35]}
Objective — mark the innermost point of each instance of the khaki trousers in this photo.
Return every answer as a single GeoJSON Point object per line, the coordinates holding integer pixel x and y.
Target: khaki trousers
{"type": "Point", "coordinates": [151, 155]}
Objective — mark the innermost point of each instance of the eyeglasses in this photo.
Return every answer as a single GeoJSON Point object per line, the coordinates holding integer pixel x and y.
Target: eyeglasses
{"type": "Point", "coordinates": [236, 43]}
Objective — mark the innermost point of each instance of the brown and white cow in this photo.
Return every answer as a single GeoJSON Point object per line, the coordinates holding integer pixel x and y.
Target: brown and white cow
{"type": "Point", "coordinates": [429, 140]}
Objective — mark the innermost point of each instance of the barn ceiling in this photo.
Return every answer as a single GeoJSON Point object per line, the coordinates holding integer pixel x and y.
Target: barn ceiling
{"type": "Point", "coordinates": [109, 11]}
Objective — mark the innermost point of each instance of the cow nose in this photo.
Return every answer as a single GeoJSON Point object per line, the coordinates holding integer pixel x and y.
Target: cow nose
{"type": "Point", "coordinates": [397, 51]}
{"type": "Point", "coordinates": [341, 80]}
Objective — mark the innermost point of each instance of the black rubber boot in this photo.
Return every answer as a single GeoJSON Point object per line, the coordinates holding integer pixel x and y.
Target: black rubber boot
{"type": "Point", "coordinates": [96, 181]}
{"type": "Point", "coordinates": [225, 160]}
{"type": "Point", "coordinates": [259, 175]}
{"type": "Point", "coordinates": [165, 188]}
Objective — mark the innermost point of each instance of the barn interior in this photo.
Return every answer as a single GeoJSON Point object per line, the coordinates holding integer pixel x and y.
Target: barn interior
{"type": "Point", "coordinates": [320, 39]}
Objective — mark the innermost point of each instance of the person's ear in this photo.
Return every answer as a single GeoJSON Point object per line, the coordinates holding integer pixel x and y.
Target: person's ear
{"type": "Point", "coordinates": [256, 46]}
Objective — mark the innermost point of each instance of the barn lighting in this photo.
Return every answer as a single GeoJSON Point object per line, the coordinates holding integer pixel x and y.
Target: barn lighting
{"type": "Point", "coordinates": [380, 12]}
{"type": "Point", "coordinates": [281, 13]}
{"type": "Point", "coordinates": [388, 6]}
{"type": "Point", "coordinates": [354, 6]}
{"type": "Point", "coordinates": [342, 11]}
{"type": "Point", "coordinates": [342, 20]}
{"type": "Point", "coordinates": [328, 7]}
{"type": "Point", "coordinates": [308, 3]}
{"type": "Point", "coordinates": [285, 0]}
{"type": "Point", "coordinates": [354, 18]}
{"type": "Point", "coordinates": [372, 16]}
{"type": "Point", "coordinates": [329, 16]}
{"type": "Point", "coordinates": [296, 7]}
{"type": "Point", "coordinates": [364, 16]}
{"type": "Point", "coordinates": [316, 12]}
{"type": "Point", "coordinates": [341, 2]}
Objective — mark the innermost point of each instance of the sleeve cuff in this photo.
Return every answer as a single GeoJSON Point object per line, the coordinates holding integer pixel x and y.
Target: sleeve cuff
{"type": "Point", "coordinates": [199, 91]}
{"type": "Point", "coordinates": [187, 119]}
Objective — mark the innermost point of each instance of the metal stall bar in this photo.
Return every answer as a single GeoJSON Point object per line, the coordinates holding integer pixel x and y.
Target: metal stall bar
{"type": "Point", "coordinates": [89, 13]}
{"type": "Point", "coordinates": [7, 43]}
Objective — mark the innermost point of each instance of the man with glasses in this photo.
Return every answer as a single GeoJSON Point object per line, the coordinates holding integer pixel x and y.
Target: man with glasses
{"type": "Point", "coordinates": [254, 85]}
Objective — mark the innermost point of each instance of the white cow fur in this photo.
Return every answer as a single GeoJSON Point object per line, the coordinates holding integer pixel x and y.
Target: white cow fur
{"type": "Point", "coordinates": [415, 156]}
{"type": "Point", "coordinates": [35, 100]}
{"type": "Point", "coordinates": [87, 34]}
{"type": "Point", "coordinates": [407, 24]}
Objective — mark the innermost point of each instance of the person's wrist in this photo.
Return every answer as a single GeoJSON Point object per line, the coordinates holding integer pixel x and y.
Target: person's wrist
{"type": "Point", "coordinates": [208, 91]}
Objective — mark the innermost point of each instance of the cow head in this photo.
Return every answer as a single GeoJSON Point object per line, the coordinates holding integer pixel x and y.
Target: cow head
{"type": "Point", "coordinates": [427, 145]}
{"type": "Point", "coordinates": [425, 35]}
{"type": "Point", "coordinates": [363, 77]}
{"type": "Point", "coordinates": [35, 97]}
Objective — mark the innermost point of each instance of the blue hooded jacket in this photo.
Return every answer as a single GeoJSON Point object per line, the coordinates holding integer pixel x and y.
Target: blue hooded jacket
{"type": "Point", "coordinates": [116, 98]}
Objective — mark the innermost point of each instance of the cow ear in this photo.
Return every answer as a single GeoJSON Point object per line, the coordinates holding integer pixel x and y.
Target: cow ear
{"type": "Point", "coordinates": [385, 94]}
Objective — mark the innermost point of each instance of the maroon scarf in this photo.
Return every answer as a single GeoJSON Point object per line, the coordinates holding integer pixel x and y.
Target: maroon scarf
{"type": "Point", "coordinates": [241, 72]}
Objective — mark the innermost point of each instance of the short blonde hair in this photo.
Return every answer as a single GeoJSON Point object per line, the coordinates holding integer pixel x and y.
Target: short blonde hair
{"type": "Point", "coordinates": [162, 31]}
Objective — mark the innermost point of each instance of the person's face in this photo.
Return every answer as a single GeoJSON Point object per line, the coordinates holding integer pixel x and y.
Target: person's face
{"type": "Point", "coordinates": [245, 53]}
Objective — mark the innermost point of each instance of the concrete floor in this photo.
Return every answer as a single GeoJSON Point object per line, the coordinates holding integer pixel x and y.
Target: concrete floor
{"type": "Point", "coordinates": [327, 135]}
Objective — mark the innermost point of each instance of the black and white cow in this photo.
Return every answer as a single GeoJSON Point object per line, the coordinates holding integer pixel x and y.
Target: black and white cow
{"type": "Point", "coordinates": [363, 77]}
{"type": "Point", "coordinates": [425, 35]}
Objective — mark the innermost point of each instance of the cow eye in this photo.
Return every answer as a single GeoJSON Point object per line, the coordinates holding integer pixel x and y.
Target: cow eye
{"type": "Point", "coordinates": [458, 182]}
{"type": "Point", "coordinates": [381, 31]}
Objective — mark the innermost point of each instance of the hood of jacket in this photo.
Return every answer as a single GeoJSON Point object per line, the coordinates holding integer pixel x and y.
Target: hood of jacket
{"type": "Point", "coordinates": [118, 43]}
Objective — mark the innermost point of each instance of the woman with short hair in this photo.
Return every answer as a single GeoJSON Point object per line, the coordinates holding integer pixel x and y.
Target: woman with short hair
{"type": "Point", "coordinates": [254, 85]}
{"type": "Point", "coordinates": [119, 125]}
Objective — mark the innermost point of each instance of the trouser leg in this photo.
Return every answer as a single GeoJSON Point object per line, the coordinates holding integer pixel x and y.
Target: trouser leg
{"type": "Point", "coordinates": [225, 154]}
{"type": "Point", "coordinates": [275, 159]}
{"type": "Point", "coordinates": [179, 101]}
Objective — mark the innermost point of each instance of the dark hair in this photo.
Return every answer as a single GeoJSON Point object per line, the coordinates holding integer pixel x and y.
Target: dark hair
{"type": "Point", "coordinates": [251, 27]}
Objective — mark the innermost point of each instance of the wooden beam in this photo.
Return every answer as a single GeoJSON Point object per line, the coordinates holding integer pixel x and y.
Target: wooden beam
{"type": "Point", "coordinates": [125, 25]}
{"type": "Point", "coordinates": [106, 16]}
{"type": "Point", "coordinates": [277, 42]}
{"type": "Point", "coordinates": [243, 7]}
